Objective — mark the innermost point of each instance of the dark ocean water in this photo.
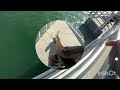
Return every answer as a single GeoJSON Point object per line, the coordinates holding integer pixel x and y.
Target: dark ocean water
{"type": "Point", "coordinates": [18, 30]}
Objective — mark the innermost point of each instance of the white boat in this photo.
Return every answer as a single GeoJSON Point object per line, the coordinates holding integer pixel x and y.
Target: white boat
{"type": "Point", "coordinates": [96, 54]}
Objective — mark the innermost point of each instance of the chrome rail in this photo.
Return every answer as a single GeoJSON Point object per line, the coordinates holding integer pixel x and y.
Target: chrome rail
{"type": "Point", "coordinates": [43, 30]}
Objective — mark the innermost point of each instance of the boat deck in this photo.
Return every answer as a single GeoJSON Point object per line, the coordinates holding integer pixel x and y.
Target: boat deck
{"type": "Point", "coordinates": [45, 45]}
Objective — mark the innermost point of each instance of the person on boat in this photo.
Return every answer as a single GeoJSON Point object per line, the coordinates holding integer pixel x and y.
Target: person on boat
{"type": "Point", "coordinates": [114, 56]}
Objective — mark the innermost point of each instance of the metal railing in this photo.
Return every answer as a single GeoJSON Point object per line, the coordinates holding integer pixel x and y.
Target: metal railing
{"type": "Point", "coordinates": [105, 16]}
{"type": "Point", "coordinates": [43, 30]}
